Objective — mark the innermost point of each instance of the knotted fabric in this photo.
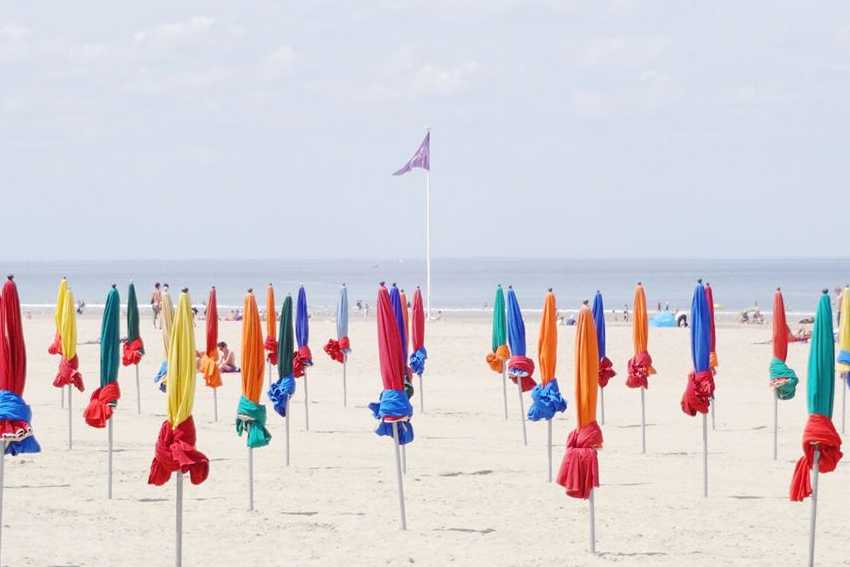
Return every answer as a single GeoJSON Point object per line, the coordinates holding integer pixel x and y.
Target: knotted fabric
{"type": "Point", "coordinates": [159, 377]}
{"type": "Point", "coordinates": [271, 349]}
{"type": "Point", "coordinates": [297, 366]}
{"type": "Point", "coordinates": [210, 370]}
{"type": "Point", "coordinates": [175, 451]}
{"type": "Point", "coordinates": [606, 371]}
{"type": "Point", "coordinates": [101, 405]}
{"type": "Point", "coordinates": [579, 472]}
{"type": "Point", "coordinates": [280, 392]}
{"type": "Point", "coordinates": [251, 418]}
{"type": "Point", "coordinates": [819, 431]}
{"type": "Point", "coordinates": [132, 352]}
{"type": "Point", "coordinates": [305, 355]}
{"type": "Point", "coordinates": [336, 349]}
{"type": "Point", "coordinates": [640, 369]}
{"type": "Point", "coordinates": [546, 401]}
{"type": "Point", "coordinates": [68, 375]}
{"type": "Point", "coordinates": [698, 393]}
{"type": "Point", "coordinates": [522, 368]}
{"type": "Point", "coordinates": [15, 428]}
{"type": "Point", "coordinates": [783, 379]}
{"type": "Point", "coordinates": [417, 361]}
{"type": "Point", "coordinates": [56, 346]}
{"type": "Point", "coordinates": [393, 407]}
{"type": "Point", "coordinates": [496, 360]}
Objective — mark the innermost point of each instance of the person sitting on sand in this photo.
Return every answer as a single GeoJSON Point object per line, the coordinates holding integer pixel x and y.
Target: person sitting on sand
{"type": "Point", "coordinates": [228, 359]}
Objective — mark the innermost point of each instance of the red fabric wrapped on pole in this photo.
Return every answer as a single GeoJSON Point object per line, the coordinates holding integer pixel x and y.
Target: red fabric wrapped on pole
{"type": "Point", "coordinates": [579, 472]}
{"type": "Point", "coordinates": [819, 431]}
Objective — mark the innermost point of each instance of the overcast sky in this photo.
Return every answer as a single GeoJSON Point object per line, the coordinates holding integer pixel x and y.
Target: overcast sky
{"type": "Point", "coordinates": [573, 129]}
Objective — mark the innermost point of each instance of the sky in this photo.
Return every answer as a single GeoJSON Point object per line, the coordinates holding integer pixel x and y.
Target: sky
{"type": "Point", "coordinates": [611, 128]}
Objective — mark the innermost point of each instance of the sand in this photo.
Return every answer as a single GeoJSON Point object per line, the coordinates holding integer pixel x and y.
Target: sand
{"type": "Point", "coordinates": [475, 495]}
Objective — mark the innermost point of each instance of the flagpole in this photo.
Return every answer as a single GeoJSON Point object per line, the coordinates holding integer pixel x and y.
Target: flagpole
{"type": "Point", "coordinates": [428, 235]}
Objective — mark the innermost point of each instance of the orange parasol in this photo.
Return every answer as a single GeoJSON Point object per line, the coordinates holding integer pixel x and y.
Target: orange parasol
{"type": "Point", "coordinates": [640, 366]}
{"type": "Point", "coordinates": [579, 473]}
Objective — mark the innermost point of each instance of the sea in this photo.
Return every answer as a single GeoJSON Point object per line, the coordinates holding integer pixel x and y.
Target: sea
{"type": "Point", "coordinates": [457, 284]}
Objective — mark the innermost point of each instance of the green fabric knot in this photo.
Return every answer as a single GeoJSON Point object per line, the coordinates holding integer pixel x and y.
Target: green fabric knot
{"type": "Point", "coordinates": [252, 417]}
{"type": "Point", "coordinates": [779, 370]}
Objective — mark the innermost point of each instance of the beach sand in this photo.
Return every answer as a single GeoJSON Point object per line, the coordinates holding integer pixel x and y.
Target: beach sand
{"type": "Point", "coordinates": [475, 495]}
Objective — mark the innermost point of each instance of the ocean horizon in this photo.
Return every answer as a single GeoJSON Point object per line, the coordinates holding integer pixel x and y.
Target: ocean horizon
{"type": "Point", "coordinates": [457, 284]}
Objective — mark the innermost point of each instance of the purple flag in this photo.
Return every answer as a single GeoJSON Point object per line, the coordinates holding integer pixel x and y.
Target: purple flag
{"type": "Point", "coordinates": [421, 159]}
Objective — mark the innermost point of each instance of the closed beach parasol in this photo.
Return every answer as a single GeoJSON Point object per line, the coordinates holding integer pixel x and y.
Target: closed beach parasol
{"type": "Point", "coordinates": [167, 318]}
{"type": "Point", "coordinates": [339, 348]}
{"type": "Point", "coordinates": [417, 341]}
{"type": "Point", "coordinates": [640, 366]}
{"type": "Point", "coordinates": [700, 388]}
{"type": "Point", "coordinates": [499, 352]}
{"type": "Point", "coordinates": [520, 367]}
{"type": "Point", "coordinates": [398, 314]}
{"type": "Point", "coordinates": [303, 358]}
{"type": "Point", "coordinates": [250, 414]}
{"type": "Point", "coordinates": [821, 443]}
{"type": "Point", "coordinates": [405, 309]}
{"type": "Point", "coordinates": [579, 472]}
{"type": "Point", "coordinates": [15, 415]}
{"type": "Point", "coordinates": [69, 375]}
{"type": "Point", "coordinates": [783, 380]}
{"type": "Point", "coordinates": [606, 368]}
{"type": "Point", "coordinates": [712, 345]}
{"type": "Point", "coordinates": [546, 398]}
{"type": "Point", "coordinates": [56, 346]}
{"type": "Point", "coordinates": [134, 348]}
{"type": "Point", "coordinates": [843, 364]}
{"type": "Point", "coordinates": [281, 391]}
{"type": "Point", "coordinates": [393, 409]}
{"type": "Point", "coordinates": [271, 330]}
{"type": "Point", "coordinates": [209, 359]}
{"type": "Point", "coordinates": [175, 446]}
{"type": "Point", "coordinates": [104, 400]}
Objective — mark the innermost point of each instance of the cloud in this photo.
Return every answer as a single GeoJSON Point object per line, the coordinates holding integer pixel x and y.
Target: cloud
{"type": "Point", "coordinates": [438, 80]}
{"type": "Point", "coordinates": [404, 75]}
{"type": "Point", "coordinates": [154, 83]}
{"type": "Point", "coordinates": [175, 34]}
{"type": "Point", "coordinates": [278, 63]}
{"type": "Point", "coordinates": [621, 50]}
{"type": "Point", "coordinates": [14, 42]}
{"type": "Point", "coordinates": [589, 103]}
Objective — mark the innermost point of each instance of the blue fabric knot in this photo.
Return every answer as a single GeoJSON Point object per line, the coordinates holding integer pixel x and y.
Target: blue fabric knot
{"type": "Point", "coordinates": [393, 404]}
{"type": "Point", "coordinates": [417, 361]}
{"type": "Point", "coordinates": [545, 401]}
{"type": "Point", "coordinates": [14, 408]}
{"type": "Point", "coordinates": [280, 392]}
{"type": "Point", "coordinates": [159, 377]}
{"type": "Point", "coordinates": [844, 357]}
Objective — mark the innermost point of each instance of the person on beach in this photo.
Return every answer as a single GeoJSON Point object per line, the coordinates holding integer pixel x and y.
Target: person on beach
{"type": "Point", "coordinates": [228, 359]}
{"type": "Point", "coordinates": [156, 304]}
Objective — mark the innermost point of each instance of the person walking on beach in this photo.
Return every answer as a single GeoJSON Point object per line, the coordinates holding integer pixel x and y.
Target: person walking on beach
{"type": "Point", "coordinates": [156, 304]}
